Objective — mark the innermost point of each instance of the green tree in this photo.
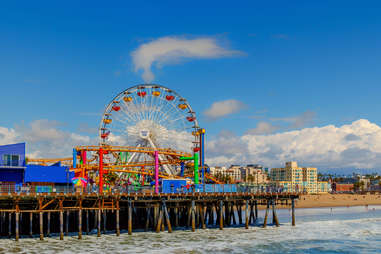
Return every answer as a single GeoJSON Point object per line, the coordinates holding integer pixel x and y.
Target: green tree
{"type": "Point", "coordinates": [250, 178]}
{"type": "Point", "coordinates": [356, 186]}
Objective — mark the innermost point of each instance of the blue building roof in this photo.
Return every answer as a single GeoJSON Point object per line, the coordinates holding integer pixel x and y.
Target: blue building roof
{"type": "Point", "coordinates": [54, 174]}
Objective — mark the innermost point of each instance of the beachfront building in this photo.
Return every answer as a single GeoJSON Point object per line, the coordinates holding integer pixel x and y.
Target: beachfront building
{"type": "Point", "coordinates": [289, 178]}
{"type": "Point", "coordinates": [250, 174]}
{"type": "Point", "coordinates": [229, 175]}
{"type": "Point", "coordinates": [254, 174]}
{"type": "Point", "coordinates": [217, 170]}
{"type": "Point", "coordinates": [293, 178]}
{"type": "Point", "coordinates": [310, 180]}
{"type": "Point", "coordinates": [323, 187]}
{"type": "Point", "coordinates": [342, 187]}
{"type": "Point", "coordinates": [364, 182]}
{"type": "Point", "coordinates": [234, 172]}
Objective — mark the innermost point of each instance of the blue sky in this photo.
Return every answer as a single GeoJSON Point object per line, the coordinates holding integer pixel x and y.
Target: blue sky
{"type": "Point", "coordinates": [65, 62]}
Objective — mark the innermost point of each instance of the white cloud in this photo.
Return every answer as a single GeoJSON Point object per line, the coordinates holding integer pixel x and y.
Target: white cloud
{"type": "Point", "coordinates": [263, 128]}
{"type": "Point", "coordinates": [354, 145]}
{"type": "Point", "coordinates": [44, 139]}
{"type": "Point", "coordinates": [223, 108]}
{"type": "Point", "coordinates": [7, 136]}
{"type": "Point", "coordinates": [298, 121]}
{"type": "Point", "coordinates": [167, 50]}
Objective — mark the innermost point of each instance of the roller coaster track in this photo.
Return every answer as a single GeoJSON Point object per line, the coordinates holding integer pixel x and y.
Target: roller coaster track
{"type": "Point", "coordinates": [45, 162]}
{"type": "Point", "coordinates": [164, 151]}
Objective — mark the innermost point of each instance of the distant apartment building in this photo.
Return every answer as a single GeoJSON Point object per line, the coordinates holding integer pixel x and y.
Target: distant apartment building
{"type": "Point", "coordinates": [217, 170]}
{"type": "Point", "coordinates": [323, 187]}
{"type": "Point", "coordinates": [310, 179]}
{"type": "Point", "coordinates": [234, 172]}
{"type": "Point", "coordinates": [365, 182]}
{"type": "Point", "coordinates": [293, 178]}
{"type": "Point", "coordinates": [342, 187]}
{"type": "Point", "coordinates": [289, 178]}
{"type": "Point", "coordinates": [254, 174]}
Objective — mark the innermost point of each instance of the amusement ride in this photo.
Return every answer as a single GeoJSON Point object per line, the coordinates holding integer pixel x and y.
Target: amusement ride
{"type": "Point", "coordinates": [147, 133]}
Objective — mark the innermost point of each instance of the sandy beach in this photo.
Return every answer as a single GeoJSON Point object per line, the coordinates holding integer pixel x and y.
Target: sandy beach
{"type": "Point", "coordinates": [332, 200]}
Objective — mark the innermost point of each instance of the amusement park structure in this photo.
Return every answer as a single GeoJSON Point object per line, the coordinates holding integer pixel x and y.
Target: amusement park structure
{"type": "Point", "coordinates": [148, 137]}
{"type": "Point", "coordinates": [147, 133]}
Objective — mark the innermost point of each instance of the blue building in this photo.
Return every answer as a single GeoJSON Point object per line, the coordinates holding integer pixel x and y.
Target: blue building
{"type": "Point", "coordinates": [12, 163]}
{"type": "Point", "coordinates": [14, 169]}
{"type": "Point", "coordinates": [48, 174]}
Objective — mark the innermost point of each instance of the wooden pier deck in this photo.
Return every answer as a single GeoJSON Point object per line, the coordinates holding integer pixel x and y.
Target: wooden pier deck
{"type": "Point", "coordinates": [44, 214]}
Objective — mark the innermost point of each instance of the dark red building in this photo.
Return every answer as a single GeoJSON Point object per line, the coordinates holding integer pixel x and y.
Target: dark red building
{"type": "Point", "coordinates": [342, 187]}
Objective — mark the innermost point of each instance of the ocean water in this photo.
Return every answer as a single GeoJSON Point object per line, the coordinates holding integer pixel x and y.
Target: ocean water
{"type": "Point", "coordinates": [317, 230]}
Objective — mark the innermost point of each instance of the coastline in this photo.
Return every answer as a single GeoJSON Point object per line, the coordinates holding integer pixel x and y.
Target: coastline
{"type": "Point", "coordinates": [337, 200]}
{"type": "Point", "coordinates": [332, 200]}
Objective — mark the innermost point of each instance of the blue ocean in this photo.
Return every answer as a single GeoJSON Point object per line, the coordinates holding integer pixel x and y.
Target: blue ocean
{"type": "Point", "coordinates": [317, 230]}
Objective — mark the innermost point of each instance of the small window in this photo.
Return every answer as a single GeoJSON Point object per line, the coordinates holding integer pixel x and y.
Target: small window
{"type": "Point", "coordinates": [15, 160]}
{"type": "Point", "coordinates": [11, 160]}
{"type": "Point", "coordinates": [7, 159]}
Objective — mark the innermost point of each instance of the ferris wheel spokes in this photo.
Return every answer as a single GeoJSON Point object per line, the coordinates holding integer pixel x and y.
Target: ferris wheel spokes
{"type": "Point", "coordinates": [149, 116]}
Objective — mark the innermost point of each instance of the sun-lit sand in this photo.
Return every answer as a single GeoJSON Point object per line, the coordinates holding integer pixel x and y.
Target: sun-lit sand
{"type": "Point", "coordinates": [331, 200]}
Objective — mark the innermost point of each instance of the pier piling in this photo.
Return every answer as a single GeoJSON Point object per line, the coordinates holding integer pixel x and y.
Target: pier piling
{"type": "Point", "coordinates": [87, 222]}
{"type": "Point", "coordinates": [9, 224]}
{"type": "Point", "coordinates": [266, 214]}
{"type": "Point", "coordinates": [167, 218]}
{"type": "Point", "coordinates": [233, 214]}
{"type": "Point", "coordinates": [189, 214]}
{"type": "Point", "coordinates": [67, 223]}
{"type": "Point", "coordinates": [193, 212]}
{"type": "Point", "coordinates": [117, 222]}
{"type": "Point", "coordinates": [61, 226]}
{"type": "Point", "coordinates": [41, 226]}
{"type": "Point", "coordinates": [202, 216]}
{"type": "Point", "coordinates": [148, 212]}
{"type": "Point", "coordinates": [251, 216]}
{"type": "Point", "coordinates": [239, 211]}
{"type": "Point", "coordinates": [221, 215]}
{"type": "Point", "coordinates": [155, 217]}
{"type": "Point", "coordinates": [212, 211]}
{"type": "Point", "coordinates": [48, 226]}
{"type": "Point", "coordinates": [129, 217]}
{"type": "Point", "coordinates": [80, 224]}
{"type": "Point", "coordinates": [159, 221]}
{"type": "Point", "coordinates": [293, 211]}
{"type": "Point", "coordinates": [98, 213]}
{"type": "Point", "coordinates": [275, 217]}
{"type": "Point", "coordinates": [247, 214]}
{"type": "Point", "coordinates": [176, 211]}
{"type": "Point", "coordinates": [17, 226]}
{"type": "Point", "coordinates": [104, 215]}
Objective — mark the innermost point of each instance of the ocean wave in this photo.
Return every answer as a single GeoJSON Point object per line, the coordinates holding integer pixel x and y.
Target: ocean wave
{"type": "Point", "coordinates": [351, 232]}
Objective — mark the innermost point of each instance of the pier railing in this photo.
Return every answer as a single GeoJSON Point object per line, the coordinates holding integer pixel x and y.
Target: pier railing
{"type": "Point", "coordinates": [199, 188]}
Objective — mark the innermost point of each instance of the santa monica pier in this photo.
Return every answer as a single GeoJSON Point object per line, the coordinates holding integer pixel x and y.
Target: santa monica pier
{"type": "Point", "coordinates": [147, 172]}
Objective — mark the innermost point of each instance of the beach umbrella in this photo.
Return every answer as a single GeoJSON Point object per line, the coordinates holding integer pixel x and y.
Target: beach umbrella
{"type": "Point", "coordinates": [79, 181]}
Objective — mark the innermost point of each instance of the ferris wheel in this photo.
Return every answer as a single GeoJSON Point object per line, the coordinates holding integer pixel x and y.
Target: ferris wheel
{"type": "Point", "coordinates": [149, 116]}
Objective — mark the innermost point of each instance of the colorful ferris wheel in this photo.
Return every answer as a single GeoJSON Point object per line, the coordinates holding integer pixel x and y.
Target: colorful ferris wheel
{"type": "Point", "coordinates": [153, 117]}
